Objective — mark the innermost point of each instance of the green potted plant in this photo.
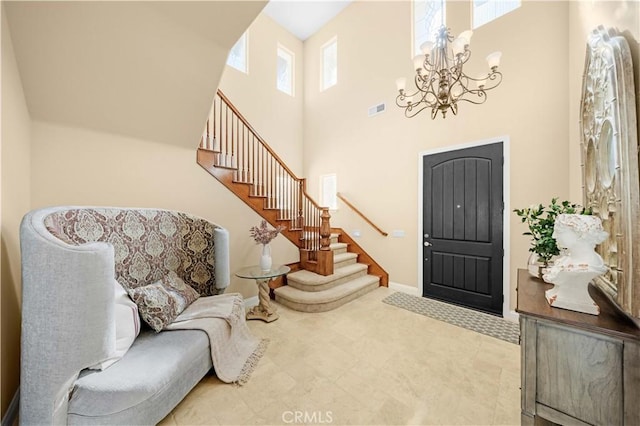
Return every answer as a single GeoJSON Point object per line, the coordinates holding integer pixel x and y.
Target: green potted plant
{"type": "Point", "coordinates": [541, 220]}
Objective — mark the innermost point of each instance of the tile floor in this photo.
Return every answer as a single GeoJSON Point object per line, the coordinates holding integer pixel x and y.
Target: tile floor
{"type": "Point", "coordinates": [365, 363]}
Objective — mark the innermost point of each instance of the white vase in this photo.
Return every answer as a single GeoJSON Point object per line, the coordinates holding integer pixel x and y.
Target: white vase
{"type": "Point", "coordinates": [265, 258]}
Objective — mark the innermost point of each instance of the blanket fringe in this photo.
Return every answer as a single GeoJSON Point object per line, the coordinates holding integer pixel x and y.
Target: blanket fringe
{"type": "Point", "coordinates": [252, 362]}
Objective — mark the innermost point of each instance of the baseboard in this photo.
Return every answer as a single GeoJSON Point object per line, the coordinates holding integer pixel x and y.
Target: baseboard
{"type": "Point", "coordinates": [403, 288]}
{"type": "Point", "coordinates": [251, 301]}
{"type": "Point", "coordinates": [511, 316]}
{"type": "Point", "coordinates": [11, 416]}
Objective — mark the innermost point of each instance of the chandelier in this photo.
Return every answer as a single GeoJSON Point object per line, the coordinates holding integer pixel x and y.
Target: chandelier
{"type": "Point", "coordinates": [440, 80]}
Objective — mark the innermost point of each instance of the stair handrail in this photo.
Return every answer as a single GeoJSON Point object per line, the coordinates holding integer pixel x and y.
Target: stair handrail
{"type": "Point", "coordinates": [257, 135]}
{"type": "Point", "coordinates": [235, 151]}
{"type": "Point", "coordinates": [359, 213]}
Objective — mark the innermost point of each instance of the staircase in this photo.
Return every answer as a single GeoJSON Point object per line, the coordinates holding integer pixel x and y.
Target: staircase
{"type": "Point", "coordinates": [328, 274]}
{"type": "Point", "coordinates": [310, 292]}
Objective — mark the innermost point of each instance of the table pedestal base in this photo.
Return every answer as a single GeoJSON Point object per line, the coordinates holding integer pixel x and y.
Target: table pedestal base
{"type": "Point", "coordinates": [264, 311]}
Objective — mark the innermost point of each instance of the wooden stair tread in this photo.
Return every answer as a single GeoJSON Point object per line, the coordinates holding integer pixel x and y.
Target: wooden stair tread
{"type": "Point", "coordinates": [210, 150]}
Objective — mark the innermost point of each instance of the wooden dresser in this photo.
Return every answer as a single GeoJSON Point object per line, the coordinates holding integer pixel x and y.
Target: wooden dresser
{"type": "Point", "coordinates": [576, 368]}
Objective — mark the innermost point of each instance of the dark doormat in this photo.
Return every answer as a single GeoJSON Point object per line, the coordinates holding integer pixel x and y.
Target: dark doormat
{"type": "Point", "coordinates": [466, 318]}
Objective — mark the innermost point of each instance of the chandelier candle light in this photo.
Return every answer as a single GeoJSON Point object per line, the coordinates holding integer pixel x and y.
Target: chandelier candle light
{"type": "Point", "coordinates": [440, 80]}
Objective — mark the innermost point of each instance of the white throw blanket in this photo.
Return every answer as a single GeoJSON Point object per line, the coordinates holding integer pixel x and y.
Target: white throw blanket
{"type": "Point", "coordinates": [235, 352]}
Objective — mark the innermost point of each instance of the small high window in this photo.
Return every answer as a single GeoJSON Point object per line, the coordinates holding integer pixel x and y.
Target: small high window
{"type": "Point", "coordinates": [284, 72]}
{"type": "Point", "coordinates": [329, 191]}
{"type": "Point", "coordinates": [238, 55]}
{"type": "Point", "coordinates": [485, 11]}
{"type": "Point", "coordinates": [329, 64]}
{"type": "Point", "coordinates": [428, 17]}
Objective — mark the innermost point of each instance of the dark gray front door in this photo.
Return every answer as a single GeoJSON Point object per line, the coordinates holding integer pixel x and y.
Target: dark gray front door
{"type": "Point", "coordinates": [462, 227]}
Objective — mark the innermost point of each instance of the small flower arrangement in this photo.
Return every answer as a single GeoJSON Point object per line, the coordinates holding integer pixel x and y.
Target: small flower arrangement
{"type": "Point", "coordinates": [541, 221]}
{"type": "Point", "coordinates": [263, 235]}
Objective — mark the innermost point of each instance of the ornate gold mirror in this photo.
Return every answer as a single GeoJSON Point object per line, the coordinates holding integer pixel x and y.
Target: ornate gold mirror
{"type": "Point", "coordinates": [611, 183]}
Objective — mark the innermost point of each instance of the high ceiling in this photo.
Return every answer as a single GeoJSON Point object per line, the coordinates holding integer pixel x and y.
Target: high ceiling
{"type": "Point", "coordinates": [304, 17]}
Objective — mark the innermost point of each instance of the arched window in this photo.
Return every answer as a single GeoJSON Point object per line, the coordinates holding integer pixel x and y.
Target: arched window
{"type": "Point", "coordinates": [428, 16]}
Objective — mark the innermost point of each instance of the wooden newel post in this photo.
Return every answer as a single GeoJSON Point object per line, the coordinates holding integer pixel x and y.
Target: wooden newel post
{"type": "Point", "coordinates": [325, 229]}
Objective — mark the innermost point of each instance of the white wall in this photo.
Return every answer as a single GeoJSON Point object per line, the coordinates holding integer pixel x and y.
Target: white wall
{"type": "Point", "coordinates": [76, 166]}
{"type": "Point", "coordinates": [142, 69]}
{"type": "Point", "coordinates": [276, 116]}
{"type": "Point", "coordinates": [72, 166]}
{"type": "Point", "coordinates": [15, 187]}
{"type": "Point", "coordinates": [376, 158]}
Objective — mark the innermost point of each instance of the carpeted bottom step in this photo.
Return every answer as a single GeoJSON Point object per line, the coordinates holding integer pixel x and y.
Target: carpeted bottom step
{"type": "Point", "coordinates": [325, 300]}
{"type": "Point", "coordinates": [310, 281]}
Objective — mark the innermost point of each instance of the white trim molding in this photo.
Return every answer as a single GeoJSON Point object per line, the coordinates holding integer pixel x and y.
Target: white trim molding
{"type": "Point", "coordinates": [512, 316]}
{"type": "Point", "coordinates": [507, 313]}
{"type": "Point", "coordinates": [403, 288]}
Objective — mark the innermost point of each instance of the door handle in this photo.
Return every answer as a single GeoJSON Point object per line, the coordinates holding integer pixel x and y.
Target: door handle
{"type": "Point", "coordinates": [427, 244]}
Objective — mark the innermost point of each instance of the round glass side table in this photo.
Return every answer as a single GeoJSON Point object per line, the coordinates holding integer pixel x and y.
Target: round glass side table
{"type": "Point", "coordinates": [264, 310]}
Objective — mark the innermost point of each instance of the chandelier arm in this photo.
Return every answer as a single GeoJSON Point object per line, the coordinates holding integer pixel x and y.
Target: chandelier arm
{"type": "Point", "coordinates": [430, 98]}
{"type": "Point", "coordinates": [417, 80]}
{"type": "Point", "coordinates": [411, 95]}
{"type": "Point", "coordinates": [408, 113]}
{"type": "Point", "coordinates": [493, 76]}
{"type": "Point", "coordinates": [427, 83]}
{"type": "Point", "coordinates": [476, 79]}
{"type": "Point", "coordinates": [398, 98]}
{"type": "Point", "coordinates": [464, 58]}
{"type": "Point", "coordinates": [457, 82]}
{"type": "Point", "coordinates": [403, 97]}
{"type": "Point", "coordinates": [496, 78]}
{"type": "Point", "coordinates": [428, 65]}
{"type": "Point", "coordinates": [480, 94]}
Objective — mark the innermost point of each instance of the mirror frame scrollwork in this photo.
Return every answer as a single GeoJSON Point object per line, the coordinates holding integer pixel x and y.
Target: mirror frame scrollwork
{"type": "Point", "coordinates": [610, 176]}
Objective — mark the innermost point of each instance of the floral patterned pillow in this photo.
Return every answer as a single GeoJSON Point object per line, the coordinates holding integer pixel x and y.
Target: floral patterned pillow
{"type": "Point", "coordinates": [161, 302]}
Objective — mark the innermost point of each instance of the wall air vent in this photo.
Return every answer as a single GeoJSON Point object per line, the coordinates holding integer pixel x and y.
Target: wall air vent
{"type": "Point", "coordinates": [377, 109]}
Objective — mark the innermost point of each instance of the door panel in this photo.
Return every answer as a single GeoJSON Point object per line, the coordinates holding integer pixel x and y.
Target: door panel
{"type": "Point", "coordinates": [462, 227]}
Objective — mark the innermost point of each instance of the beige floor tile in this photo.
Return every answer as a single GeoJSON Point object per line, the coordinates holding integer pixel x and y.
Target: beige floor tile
{"type": "Point", "coordinates": [168, 421]}
{"type": "Point", "coordinates": [362, 390]}
{"type": "Point", "coordinates": [350, 411]}
{"type": "Point", "coordinates": [365, 363]}
{"type": "Point", "coordinates": [195, 411]}
{"type": "Point", "coordinates": [393, 412]}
